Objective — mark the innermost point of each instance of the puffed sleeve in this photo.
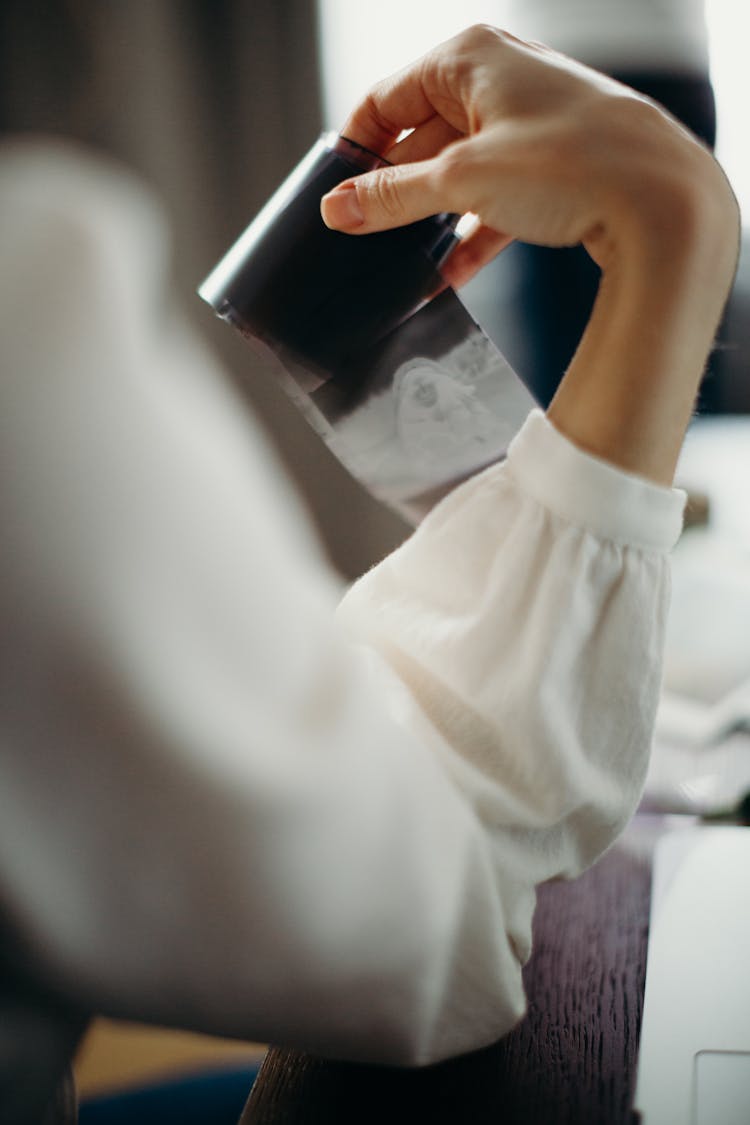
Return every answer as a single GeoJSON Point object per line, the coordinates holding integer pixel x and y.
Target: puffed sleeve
{"type": "Point", "coordinates": [221, 807]}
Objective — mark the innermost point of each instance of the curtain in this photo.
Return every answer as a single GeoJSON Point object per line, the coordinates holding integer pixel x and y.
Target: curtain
{"type": "Point", "coordinates": [212, 102]}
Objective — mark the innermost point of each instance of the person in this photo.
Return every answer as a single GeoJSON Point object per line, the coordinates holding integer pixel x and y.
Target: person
{"type": "Point", "coordinates": [229, 805]}
{"type": "Point", "coordinates": [660, 49]}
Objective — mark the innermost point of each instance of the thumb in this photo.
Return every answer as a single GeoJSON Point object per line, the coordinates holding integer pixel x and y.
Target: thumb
{"type": "Point", "coordinates": [388, 197]}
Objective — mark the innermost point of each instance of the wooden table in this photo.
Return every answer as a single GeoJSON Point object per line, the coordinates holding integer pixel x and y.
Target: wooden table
{"type": "Point", "coordinates": [570, 1062]}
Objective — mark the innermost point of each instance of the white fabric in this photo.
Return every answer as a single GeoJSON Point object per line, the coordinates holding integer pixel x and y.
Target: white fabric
{"type": "Point", "coordinates": [616, 35]}
{"type": "Point", "coordinates": [219, 809]}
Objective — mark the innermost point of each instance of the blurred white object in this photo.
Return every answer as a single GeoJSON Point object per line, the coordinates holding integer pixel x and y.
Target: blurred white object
{"type": "Point", "coordinates": [682, 720]}
{"type": "Point", "coordinates": [694, 1056]}
{"type": "Point", "coordinates": [703, 781]}
{"type": "Point", "coordinates": [701, 757]}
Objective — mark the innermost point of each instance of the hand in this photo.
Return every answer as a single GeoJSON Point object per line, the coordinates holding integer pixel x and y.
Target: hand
{"type": "Point", "coordinates": [545, 150]}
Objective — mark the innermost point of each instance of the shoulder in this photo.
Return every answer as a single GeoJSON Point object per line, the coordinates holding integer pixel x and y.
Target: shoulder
{"type": "Point", "coordinates": [61, 202]}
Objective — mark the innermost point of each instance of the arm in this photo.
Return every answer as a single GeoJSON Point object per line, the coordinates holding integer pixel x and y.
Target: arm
{"type": "Point", "coordinates": [544, 150]}
{"type": "Point", "coordinates": [217, 813]}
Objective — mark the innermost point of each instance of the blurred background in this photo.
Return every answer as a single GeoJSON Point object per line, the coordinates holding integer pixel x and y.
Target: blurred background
{"type": "Point", "coordinates": [212, 102]}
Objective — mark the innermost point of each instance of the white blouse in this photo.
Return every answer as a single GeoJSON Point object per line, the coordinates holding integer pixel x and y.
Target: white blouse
{"type": "Point", "coordinates": [220, 809]}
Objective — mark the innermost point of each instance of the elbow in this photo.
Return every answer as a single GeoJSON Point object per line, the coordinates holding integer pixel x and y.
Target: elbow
{"type": "Point", "coordinates": [423, 1033]}
{"type": "Point", "coordinates": [462, 988]}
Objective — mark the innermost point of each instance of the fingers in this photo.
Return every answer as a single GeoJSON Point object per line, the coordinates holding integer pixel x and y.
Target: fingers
{"type": "Point", "coordinates": [402, 194]}
{"type": "Point", "coordinates": [472, 253]}
{"type": "Point", "coordinates": [394, 196]}
{"type": "Point", "coordinates": [423, 142]}
{"type": "Point", "coordinates": [433, 98]}
{"type": "Point", "coordinates": [437, 85]}
{"type": "Point", "coordinates": [389, 197]}
{"type": "Point", "coordinates": [399, 102]}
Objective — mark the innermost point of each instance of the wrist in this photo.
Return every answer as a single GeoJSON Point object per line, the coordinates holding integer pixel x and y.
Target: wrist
{"type": "Point", "coordinates": [668, 250]}
{"type": "Point", "coordinates": [679, 227]}
{"type": "Point", "coordinates": [665, 202]}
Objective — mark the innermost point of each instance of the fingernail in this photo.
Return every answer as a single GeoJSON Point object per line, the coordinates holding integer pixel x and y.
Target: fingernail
{"type": "Point", "coordinates": [340, 208]}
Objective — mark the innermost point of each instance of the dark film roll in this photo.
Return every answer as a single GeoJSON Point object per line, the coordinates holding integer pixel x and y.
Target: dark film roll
{"type": "Point", "coordinates": [322, 295]}
{"type": "Point", "coordinates": [373, 347]}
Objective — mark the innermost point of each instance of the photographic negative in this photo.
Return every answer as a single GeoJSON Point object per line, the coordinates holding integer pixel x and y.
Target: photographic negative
{"type": "Point", "coordinates": [384, 360]}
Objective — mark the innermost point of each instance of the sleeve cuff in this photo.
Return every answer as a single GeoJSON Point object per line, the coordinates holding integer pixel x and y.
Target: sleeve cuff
{"type": "Point", "coordinates": [592, 493]}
